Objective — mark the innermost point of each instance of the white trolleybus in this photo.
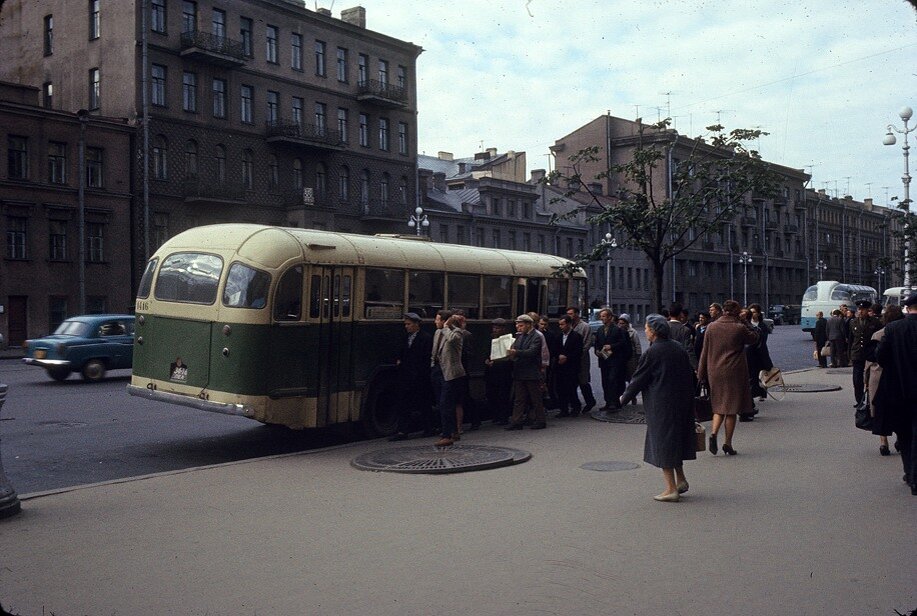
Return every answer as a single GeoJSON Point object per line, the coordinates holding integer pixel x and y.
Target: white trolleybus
{"type": "Point", "coordinates": [828, 295]}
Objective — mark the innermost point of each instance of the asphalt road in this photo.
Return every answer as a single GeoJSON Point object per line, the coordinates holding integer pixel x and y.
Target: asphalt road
{"type": "Point", "coordinates": [56, 435]}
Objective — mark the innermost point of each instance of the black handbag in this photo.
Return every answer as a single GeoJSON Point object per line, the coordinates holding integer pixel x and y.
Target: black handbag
{"type": "Point", "coordinates": [862, 419]}
{"type": "Point", "coordinates": [703, 410]}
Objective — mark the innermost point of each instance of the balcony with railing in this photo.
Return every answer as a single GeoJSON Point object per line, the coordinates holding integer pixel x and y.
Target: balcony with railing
{"type": "Point", "coordinates": [212, 48]}
{"type": "Point", "coordinates": [749, 221]}
{"type": "Point", "coordinates": [308, 198]}
{"type": "Point", "coordinates": [196, 190]}
{"type": "Point", "coordinates": [377, 209]}
{"type": "Point", "coordinates": [304, 135]}
{"type": "Point", "coordinates": [382, 94]}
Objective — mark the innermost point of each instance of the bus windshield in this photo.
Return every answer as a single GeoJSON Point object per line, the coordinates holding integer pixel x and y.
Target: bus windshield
{"type": "Point", "coordinates": [811, 294]}
{"type": "Point", "coordinates": [189, 277]}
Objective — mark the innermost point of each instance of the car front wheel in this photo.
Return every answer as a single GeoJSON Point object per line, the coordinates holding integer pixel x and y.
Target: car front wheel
{"type": "Point", "coordinates": [94, 370]}
{"type": "Point", "coordinates": [59, 374]}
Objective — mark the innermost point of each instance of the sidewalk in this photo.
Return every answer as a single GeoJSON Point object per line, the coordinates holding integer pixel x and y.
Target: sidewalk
{"type": "Point", "coordinates": [807, 519]}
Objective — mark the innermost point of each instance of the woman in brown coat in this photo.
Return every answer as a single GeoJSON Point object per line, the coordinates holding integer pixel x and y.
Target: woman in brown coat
{"type": "Point", "coordinates": [873, 371]}
{"type": "Point", "coordinates": [724, 368]}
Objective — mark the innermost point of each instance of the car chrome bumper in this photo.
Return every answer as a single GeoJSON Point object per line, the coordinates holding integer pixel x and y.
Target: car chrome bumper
{"type": "Point", "coordinates": [202, 405]}
{"type": "Point", "coordinates": [47, 363]}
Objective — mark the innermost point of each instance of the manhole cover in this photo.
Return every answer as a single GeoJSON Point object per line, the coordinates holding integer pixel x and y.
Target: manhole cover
{"type": "Point", "coordinates": [809, 388]}
{"type": "Point", "coordinates": [629, 414]}
{"type": "Point", "coordinates": [848, 370]}
{"type": "Point", "coordinates": [429, 459]}
{"type": "Point", "coordinates": [609, 466]}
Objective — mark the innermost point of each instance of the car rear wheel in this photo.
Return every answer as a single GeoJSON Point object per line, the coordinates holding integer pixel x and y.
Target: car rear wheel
{"type": "Point", "coordinates": [380, 411]}
{"type": "Point", "coordinates": [94, 370]}
{"type": "Point", "coordinates": [59, 374]}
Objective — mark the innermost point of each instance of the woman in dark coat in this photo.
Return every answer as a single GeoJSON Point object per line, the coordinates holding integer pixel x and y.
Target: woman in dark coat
{"type": "Point", "coordinates": [665, 378]}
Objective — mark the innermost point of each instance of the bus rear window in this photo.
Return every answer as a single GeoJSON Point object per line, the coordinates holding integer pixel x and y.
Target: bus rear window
{"type": "Point", "coordinates": [811, 294]}
{"type": "Point", "coordinates": [146, 283]}
{"type": "Point", "coordinates": [189, 278]}
{"type": "Point", "coordinates": [246, 287]}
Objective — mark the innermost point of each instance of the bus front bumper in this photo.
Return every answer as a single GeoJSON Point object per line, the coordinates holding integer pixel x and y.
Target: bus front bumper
{"type": "Point", "coordinates": [241, 410]}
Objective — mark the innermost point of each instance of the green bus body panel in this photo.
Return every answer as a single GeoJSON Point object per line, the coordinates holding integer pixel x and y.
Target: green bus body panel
{"type": "Point", "coordinates": [164, 341]}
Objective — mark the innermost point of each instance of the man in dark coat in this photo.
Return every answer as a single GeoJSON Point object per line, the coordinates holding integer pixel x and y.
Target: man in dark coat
{"type": "Point", "coordinates": [566, 357]}
{"type": "Point", "coordinates": [681, 332]}
{"type": "Point", "coordinates": [820, 336]}
{"type": "Point", "coordinates": [861, 330]}
{"type": "Point", "coordinates": [416, 394]}
{"type": "Point", "coordinates": [613, 348]}
{"type": "Point", "coordinates": [527, 376]}
{"type": "Point", "coordinates": [498, 379]}
{"type": "Point", "coordinates": [837, 338]}
{"type": "Point", "coordinates": [896, 409]}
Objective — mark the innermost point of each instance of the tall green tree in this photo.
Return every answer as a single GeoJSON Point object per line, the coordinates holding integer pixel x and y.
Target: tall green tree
{"type": "Point", "coordinates": [664, 208]}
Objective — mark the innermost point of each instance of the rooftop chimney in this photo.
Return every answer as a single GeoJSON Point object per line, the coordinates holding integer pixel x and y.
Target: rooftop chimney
{"type": "Point", "coordinates": [439, 181]}
{"type": "Point", "coordinates": [355, 16]}
{"type": "Point", "coordinates": [492, 152]}
{"type": "Point", "coordinates": [444, 155]}
{"type": "Point", "coordinates": [323, 11]}
{"type": "Point", "coordinates": [537, 175]}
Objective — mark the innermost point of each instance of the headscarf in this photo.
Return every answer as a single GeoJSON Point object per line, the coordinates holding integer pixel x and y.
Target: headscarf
{"type": "Point", "coordinates": [659, 324]}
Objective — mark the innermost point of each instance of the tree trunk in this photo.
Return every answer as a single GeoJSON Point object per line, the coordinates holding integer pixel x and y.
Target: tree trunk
{"type": "Point", "coordinates": [658, 275]}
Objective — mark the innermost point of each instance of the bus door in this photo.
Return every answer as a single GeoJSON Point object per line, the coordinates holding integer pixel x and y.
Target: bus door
{"type": "Point", "coordinates": [331, 310]}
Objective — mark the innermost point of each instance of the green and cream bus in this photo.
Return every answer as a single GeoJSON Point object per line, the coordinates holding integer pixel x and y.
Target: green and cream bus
{"type": "Point", "coordinates": [301, 327]}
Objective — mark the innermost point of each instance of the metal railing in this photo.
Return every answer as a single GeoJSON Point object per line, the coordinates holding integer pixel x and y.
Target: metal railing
{"type": "Point", "coordinates": [305, 132]}
{"type": "Point", "coordinates": [373, 87]}
{"type": "Point", "coordinates": [212, 43]}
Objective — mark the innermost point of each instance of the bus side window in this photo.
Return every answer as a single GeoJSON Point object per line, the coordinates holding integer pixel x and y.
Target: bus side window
{"type": "Point", "coordinates": [315, 297]}
{"type": "Point", "coordinates": [288, 297]}
{"type": "Point", "coordinates": [345, 296]}
{"type": "Point", "coordinates": [557, 297]}
{"type": "Point", "coordinates": [384, 293]}
{"type": "Point", "coordinates": [326, 299]}
{"type": "Point", "coordinates": [497, 297]}
{"type": "Point", "coordinates": [336, 296]}
{"type": "Point", "coordinates": [425, 293]}
{"type": "Point", "coordinates": [465, 294]}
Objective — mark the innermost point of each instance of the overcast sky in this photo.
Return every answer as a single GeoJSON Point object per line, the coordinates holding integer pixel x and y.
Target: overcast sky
{"type": "Point", "coordinates": [824, 78]}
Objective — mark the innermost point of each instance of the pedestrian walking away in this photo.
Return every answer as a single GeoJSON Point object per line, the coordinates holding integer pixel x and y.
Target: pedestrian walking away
{"type": "Point", "coordinates": [820, 337]}
{"type": "Point", "coordinates": [873, 375]}
{"type": "Point", "coordinates": [862, 327]}
{"type": "Point", "coordinates": [837, 338]}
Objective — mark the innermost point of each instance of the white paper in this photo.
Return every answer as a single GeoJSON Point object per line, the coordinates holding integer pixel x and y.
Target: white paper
{"type": "Point", "coordinates": [499, 346]}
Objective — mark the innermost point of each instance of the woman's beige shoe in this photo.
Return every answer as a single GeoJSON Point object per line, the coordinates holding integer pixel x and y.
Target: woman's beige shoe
{"type": "Point", "coordinates": [668, 498]}
{"type": "Point", "coordinates": [682, 487]}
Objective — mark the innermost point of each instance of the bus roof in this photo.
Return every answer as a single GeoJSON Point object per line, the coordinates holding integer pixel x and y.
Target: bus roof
{"type": "Point", "coordinates": [272, 247]}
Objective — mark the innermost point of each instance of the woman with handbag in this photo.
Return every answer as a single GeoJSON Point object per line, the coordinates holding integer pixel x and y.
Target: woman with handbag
{"type": "Point", "coordinates": [665, 378]}
{"type": "Point", "coordinates": [873, 370]}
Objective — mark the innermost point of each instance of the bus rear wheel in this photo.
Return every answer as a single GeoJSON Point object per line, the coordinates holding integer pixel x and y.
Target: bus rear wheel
{"type": "Point", "coordinates": [380, 411]}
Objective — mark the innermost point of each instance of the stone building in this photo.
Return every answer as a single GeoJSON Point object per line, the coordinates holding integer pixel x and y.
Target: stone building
{"type": "Point", "coordinates": [258, 110]}
{"type": "Point", "coordinates": [41, 209]}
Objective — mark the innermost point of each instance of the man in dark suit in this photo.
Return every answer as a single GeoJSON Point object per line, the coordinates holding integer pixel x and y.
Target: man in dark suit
{"type": "Point", "coordinates": [895, 410]}
{"type": "Point", "coordinates": [612, 347]}
{"type": "Point", "coordinates": [820, 336]}
{"type": "Point", "coordinates": [413, 372]}
{"type": "Point", "coordinates": [527, 377]}
{"type": "Point", "coordinates": [566, 357]}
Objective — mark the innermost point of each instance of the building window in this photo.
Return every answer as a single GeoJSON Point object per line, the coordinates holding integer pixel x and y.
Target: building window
{"type": "Point", "coordinates": [16, 235]}
{"type": "Point", "coordinates": [270, 42]}
{"type": "Point", "coordinates": [189, 92]}
{"type": "Point", "coordinates": [158, 16]}
{"type": "Point", "coordinates": [364, 130]}
{"type": "Point", "coordinates": [93, 160]}
{"type": "Point", "coordinates": [344, 184]}
{"type": "Point", "coordinates": [402, 76]}
{"type": "Point", "coordinates": [383, 73]}
{"type": "Point", "coordinates": [248, 169]}
{"type": "Point", "coordinates": [57, 240]}
{"type": "Point", "coordinates": [273, 106]}
{"type": "Point", "coordinates": [297, 174]}
{"type": "Point", "coordinates": [245, 104]}
{"type": "Point", "coordinates": [160, 228]}
{"type": "Point", "coordinates": [245, 33]}
{"type": "Point", "coordinates": [363, 69]}
{"type": "Point", "coordinates": [512, 240]}
{"type": "Point", "coordinates": [496, 238]}
{"type": "Point", "coordinates": [160, 158]}
{"type": "Point", "coordinates": [320, 120]}
{"type": "Point", "coordinates": [383, 134]}
{"type": "Point", "coordinates": [17, 154]}
{"type": "Point", "coordinates": [191, 166]}
{"type": "Point", "coordinates": [188, 16]}
{"type": "Point", "coordinates": [342, 65]}
{"type": "Point", "coordinates": [403, 191]}
{"type": "Point", "coordinates": [297, 110]}
{"type": "Point", "coordinates": [47, 95]}
{"type": "Point", "coordinates": [402, 138]}
{"type": "Point", "coordinates": [158, 85]}
{"type": "Point", "coordinates": [93, 19]}
{"type": "Point", "coordinates": [95, 244]}
{"type": "Point", "coordinates": [273, 168]}
{"type": "Point", "coordinates": [384, 189]}
{"type": "Point", "coordinates": [320, 58]}
{"type": "Point", "coordinates": [527, 242]}
{"type": "Point", "coordinates": [321, 181]}
{"type": "Point", "coordinates": [364, 187]}
{"type": "Point", "coordinates": [296, 51]}
{"type": "Point", "coordinates": [57, 162]}
{"type": "Point", "coordinates": [220, 159]}
{"type": "Point", "coordinates": [218, 23]}
{"type": "Point", "coordinates": [511, 208]}
{"type": "Point", "coordinates": [49, 35]}
{"type": "Point", "coordinates": [57, 311]}
{"type": "Point", "coordinates": [342, 124]}
{"type": "Point", "coordinates": [219, 98]}
{"type": "Point", "coordinates": [95, 88]}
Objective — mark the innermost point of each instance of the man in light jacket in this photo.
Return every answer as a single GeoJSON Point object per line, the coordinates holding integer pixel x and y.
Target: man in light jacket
{"type": "Point", "coordinates": [446, 372]}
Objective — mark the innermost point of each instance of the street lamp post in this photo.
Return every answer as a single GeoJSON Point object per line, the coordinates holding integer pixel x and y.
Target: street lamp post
{"type": "Point", "coordinates": [610, 243]}
{"type": "Point", "coordinates": [821, 266]}
{"type": "Point", "coordinates": [905, 115]}
{"type": "Point", "coordinates": [744, 260]}
{"type": "Point", "coordinates": [879, 272]}
{"type": "Point", "coordinates": [418, 220]}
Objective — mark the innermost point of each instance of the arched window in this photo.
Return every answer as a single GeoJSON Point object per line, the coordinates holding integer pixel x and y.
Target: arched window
{"type": "Point", "coordinates": [248, 169]}
{"type": "Point", "coordinates": [403, 191]}
{"type": "Point", "coordinates": [344, 184]}
{"type": "Point", "coordinates": [220, 159]}
{"type": "Point", "coordinates": [364, 188]}
{"type": "Point", "coordinates": [273, 168]}
{"type": "Point", "coordinates": [321, 181]}
{"type": "Point", "coordinates": [297, 174]}
{"type": "Point", "coordinates": [384, 189]}
{"type": "Point", "coordinates": [191, 159]}
{"type": "Point", "coordinates": [160, 158]}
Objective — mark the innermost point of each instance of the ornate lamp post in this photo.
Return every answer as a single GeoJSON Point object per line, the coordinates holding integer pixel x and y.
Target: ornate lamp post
{"type": "Point", "coordinates": [821, 266]}
{"type": "Point", "coordinates": [610, 244]}
{"type": "Point", "coordinates": [418, 220]}
{"type": "Point", "coordinates": [744, 260]}
{"type": "Point", "coordinates": [905, 115]}
{"type": "Point", "coordinates": [879, 272]}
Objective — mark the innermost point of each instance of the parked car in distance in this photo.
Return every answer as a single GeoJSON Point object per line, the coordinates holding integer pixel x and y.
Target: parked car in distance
{"type": "Point", "coordinates": [91, 345]}
{"type": "Point", "coordinates": [785, 314]}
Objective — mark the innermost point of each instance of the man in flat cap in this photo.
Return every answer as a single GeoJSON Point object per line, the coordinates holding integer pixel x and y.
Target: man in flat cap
{"type": "Point", "coordinates": [415, 410]}
{"type": "Point", "coordinates": [862, 327]}
{"type": "Point", "coordinates": [894, 400]}
{"type": "Point", "coordinates": [526, 357]}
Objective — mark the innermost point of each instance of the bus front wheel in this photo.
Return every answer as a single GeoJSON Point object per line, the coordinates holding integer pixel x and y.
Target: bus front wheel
{"type": "Point", "coordinates": [380, 411]}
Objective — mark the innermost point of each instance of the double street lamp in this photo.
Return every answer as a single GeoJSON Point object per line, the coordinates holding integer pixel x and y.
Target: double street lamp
{"type": "Point", "coordinates": [744, 260]}
{"type": "Point", "coordinates": [879, 272]}
{"type": "Point", "coordinates": [905, 115]}
{"type": "Point", "coordinates": [610, 243]}
{"type": "Point", "coordinates": [418, 220]}
{"type": "Point", "coordinates": [821, 266]}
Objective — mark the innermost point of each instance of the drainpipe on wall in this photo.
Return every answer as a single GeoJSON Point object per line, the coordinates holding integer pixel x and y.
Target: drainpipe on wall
{"type": "Point", "coordinates": [145, 109]}
{"type": "Point", "coordinates": [83, 116]}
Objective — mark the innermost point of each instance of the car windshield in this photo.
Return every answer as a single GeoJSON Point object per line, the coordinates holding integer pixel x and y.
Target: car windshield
{"type": "Point", "coordinates": [72, 328]}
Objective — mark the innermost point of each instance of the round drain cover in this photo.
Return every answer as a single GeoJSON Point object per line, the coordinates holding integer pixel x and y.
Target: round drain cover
{"type": "Point", "coordinates": [809, 388]}
{"type": "Point", "coordinates": [430, 459]}
{"type": "Point", "coordinates": [609, 466]}
{"type": "Point", "coordinates": [630, 414]}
